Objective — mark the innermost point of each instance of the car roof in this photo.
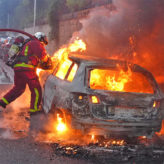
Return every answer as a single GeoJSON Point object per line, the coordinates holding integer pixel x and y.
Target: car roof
{"type": "Point", "coordinates": [91, 60]}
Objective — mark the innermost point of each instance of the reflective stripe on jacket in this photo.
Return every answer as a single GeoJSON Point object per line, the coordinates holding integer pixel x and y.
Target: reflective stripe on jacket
{"type": "Point", "coordinates": [35, 52]}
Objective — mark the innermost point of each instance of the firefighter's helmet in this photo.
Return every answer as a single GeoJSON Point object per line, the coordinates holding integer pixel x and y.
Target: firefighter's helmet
{"type": "Point", "coordinates": [41, 37]}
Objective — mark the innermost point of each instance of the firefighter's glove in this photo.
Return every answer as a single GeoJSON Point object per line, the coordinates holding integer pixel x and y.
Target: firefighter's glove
{"type": "Point", "coordinates": [48, 65]}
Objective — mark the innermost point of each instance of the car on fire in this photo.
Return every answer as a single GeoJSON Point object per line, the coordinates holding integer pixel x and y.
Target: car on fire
{"type": "Point", "coordinates": [105, 97]}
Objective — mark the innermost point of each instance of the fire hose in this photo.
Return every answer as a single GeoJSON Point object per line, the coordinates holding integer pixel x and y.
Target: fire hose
{"type": "Point", "coordinates": [18, 31]}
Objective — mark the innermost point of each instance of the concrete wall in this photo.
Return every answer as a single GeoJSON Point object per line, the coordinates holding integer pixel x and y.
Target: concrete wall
{"type": "Point", "coordinates": [69, 23]}
{"type": "Point", "coordinates": [100, 2]}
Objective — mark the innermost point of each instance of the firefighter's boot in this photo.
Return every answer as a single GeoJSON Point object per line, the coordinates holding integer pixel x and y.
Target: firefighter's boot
{"type": "Point", "coordinates": [2, 104]}
{"type": "Point", "coordinates": [35, 111]}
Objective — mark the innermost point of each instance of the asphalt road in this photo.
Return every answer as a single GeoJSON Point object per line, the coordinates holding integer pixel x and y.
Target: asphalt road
{"type": "Point", "coordinates": [18, 145]}
{"type": "Point", "coordinates": [26, 151]}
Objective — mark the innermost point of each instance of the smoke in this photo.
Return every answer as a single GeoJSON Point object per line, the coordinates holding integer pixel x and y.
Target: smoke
{"type": "Point", "coordinates": [14, 121]}
{"type": "Point", "coordinates": [132, 30]}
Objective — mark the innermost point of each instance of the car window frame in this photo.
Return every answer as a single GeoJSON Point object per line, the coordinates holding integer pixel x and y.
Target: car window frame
{"type": "Point", "coordinates": [68, 72]}
{"type": "Point", "coordinates": [90, 68]}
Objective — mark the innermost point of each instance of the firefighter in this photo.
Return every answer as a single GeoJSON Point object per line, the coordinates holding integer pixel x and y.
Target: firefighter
{"type": "Point", "coordinates": [32, 55]}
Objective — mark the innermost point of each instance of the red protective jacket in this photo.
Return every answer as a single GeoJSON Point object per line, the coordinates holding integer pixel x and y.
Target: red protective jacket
{"type": "Point", "coordinates": [35, 52]}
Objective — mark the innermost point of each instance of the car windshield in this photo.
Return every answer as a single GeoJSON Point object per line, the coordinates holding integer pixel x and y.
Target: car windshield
{"type": "Point", "coordinates": [119, 80]}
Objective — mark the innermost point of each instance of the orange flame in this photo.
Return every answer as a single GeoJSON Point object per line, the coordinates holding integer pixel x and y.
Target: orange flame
{"type": "Point", "coordinates": [38, 70]}
{"type": "Point", "coordinates": [61, 126]}
{"type": "Point", "coordinates": [78, 45]}
{"type": "Point", "coordinates": [119, 80]}
{"type": "Point", "coordinates": [62, 56]}
{"type": "Point", "coordinates": [105, 79]}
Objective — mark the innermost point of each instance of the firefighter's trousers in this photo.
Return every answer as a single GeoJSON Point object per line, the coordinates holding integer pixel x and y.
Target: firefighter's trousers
{"type": "Point", "coordinates": [21, 78]}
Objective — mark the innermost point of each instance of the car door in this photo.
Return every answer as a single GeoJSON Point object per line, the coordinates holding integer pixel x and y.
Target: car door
{"type": "Point", "coordinates": [58, 86]}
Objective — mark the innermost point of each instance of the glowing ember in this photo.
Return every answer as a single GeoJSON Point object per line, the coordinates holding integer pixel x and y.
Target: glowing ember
{"type": "Point", "coordinates": [142, 137]}
{"type": "Point", "coordinates": [112, 142]}
{"type": "Point", "coordinates": [154, 104]}
{"type": "Point", "coordinates": [61, 127]}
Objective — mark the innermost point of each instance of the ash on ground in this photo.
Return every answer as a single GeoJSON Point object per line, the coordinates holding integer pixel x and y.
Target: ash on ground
{"type": "Point", "coordinates": [133, 151]}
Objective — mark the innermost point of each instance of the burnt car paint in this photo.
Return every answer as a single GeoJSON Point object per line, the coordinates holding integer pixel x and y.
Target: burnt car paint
{"type": "Point", "coordinates": [118, 113]}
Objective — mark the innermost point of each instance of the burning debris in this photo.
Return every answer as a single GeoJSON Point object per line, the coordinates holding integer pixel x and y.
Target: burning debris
{"type": "Point", "coordinates": [132, 151]}
{"type": "Point", "coordinates": [97, 149]}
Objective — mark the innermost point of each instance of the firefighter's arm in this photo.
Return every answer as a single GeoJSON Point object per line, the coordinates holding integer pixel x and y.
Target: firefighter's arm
{"type": "Point", "coordinates": [46, 63]}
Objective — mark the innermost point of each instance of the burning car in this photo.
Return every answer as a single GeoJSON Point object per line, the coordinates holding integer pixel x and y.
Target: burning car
{"type": "Point", "coordinates": [105, 96]}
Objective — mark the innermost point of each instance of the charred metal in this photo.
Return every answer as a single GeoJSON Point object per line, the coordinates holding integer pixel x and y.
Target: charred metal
{"type": "Point", "coordinates": [125, 113]}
